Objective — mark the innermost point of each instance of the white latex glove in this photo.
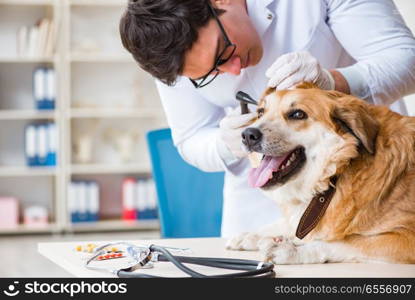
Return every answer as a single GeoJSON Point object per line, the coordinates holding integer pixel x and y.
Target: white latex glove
{"type": "Point", "coordinates": [231, 128]}
{"type": "Point", "coordinates": [296, 67]}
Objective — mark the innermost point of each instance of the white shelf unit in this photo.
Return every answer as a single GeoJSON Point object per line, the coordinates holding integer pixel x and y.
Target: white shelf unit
{"type": "Point", "coordinates": [23, 171]}
{"type": "Point", "coordinates": [24, 60]}
{"type": "Point", "coordinates": [114, 225]}
{"type": "Point", "coordinates": [94, 3]}
{"type": "Point", "coordinates": [26, 114]}
{"type": "Point", "coordinates": [23, 229]}
{"type": "Point", "coordinates": [88, 58]}
{"type": "Point", "coordinates": [91, 113]}
{"type": "Point", "coordinates": [110, 169]}
{"type": "Point", "coordinates": [27, 2]}
{"type": "Point", "coordinates": [99, 88]}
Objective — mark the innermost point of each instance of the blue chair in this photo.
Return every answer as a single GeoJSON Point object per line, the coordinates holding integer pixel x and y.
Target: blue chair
{"type": "Point", "coordinates": [190, 201]}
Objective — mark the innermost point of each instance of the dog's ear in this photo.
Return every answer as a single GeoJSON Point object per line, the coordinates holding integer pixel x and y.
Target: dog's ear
{"type": "Point", "coordinates": [306, 85]}
{"type": "Point", "coordinates": [355, 119]}
{"type": "Point", "coordinates": [335, 94]}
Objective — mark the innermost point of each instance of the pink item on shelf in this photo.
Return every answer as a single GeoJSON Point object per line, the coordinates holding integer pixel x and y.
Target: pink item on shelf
{"type": "Point", "coordinates": [129, 212]}
{"type": "Point", "coordinates": [36, 216]}
{"type": "Point", "coordinates": [9, 212]}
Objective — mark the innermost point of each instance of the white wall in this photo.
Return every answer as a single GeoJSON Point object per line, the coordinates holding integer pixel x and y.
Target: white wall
{"type": "Point", "coordinates": [407, 10]}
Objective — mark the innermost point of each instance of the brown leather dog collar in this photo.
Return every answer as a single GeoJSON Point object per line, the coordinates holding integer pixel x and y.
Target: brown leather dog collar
{"type": "Point", "coordinates": [315, 210]}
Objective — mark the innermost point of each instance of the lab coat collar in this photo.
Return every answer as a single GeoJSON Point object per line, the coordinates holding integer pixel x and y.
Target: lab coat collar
{"type": "Point", "coordinates": [258, 11]}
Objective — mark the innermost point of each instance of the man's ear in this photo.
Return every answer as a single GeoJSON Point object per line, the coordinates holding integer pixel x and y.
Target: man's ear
{"type": "Point", "coordinates": [355, 119]}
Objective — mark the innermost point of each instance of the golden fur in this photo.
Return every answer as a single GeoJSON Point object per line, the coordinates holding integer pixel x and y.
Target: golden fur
{"type": "Point", "coordinates": [374, 205]}
{"type": "Point", "coordinates": [373, 209]}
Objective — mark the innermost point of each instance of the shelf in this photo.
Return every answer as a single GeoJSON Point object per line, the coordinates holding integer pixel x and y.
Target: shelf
{"type": "Point", "coordinates": [78, 113]}
{"type": "Point", "coordinates": [98, 2]}
{"type": "Point", "coordinates": [115, 225]}
{"type": "Point", "coordinates": [27, 2]}
{"type": "Point", "coordinates": [24, 171]}
{"type": "Point", "coordinates": [110, 225]}
{"type": "Point", "coordinates": [101, 58]}
{"type": "Point", "coordinates": [24, 60]}
{"type": "Point", "coordinates": [24, 229]}
{"type": "Point", "coordinates": [19, 114]}
{"type": "Point", "coordinates": [110, 169]}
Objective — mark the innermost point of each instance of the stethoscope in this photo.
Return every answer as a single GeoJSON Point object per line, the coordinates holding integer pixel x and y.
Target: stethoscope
{"type": "Point", "coordinates": [142, 257]}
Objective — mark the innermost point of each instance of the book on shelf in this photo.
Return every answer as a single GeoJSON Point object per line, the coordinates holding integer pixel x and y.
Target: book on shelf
{"type": "Point", "coordinates": [38, 40]}
{"type": "Point", "coordinates": [22, 40]}
{"type": "Point", "coordinates": [51, 39]}
{"type": "Point", "coordinates": [32, 40]}
{"type": "Point", "coordinates": [43, 26]}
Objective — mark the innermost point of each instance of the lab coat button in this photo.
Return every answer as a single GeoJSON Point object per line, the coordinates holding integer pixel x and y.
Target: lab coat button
{"type": "Point", "coordinates": [269, 16]}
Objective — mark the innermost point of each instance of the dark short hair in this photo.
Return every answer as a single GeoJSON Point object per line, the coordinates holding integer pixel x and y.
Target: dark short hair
{"type": "Point", "coordinates": [159, 32]}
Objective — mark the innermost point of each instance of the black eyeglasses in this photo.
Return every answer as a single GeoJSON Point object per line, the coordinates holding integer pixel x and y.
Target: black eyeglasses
{"type": "Point", "coordinates": [222, 58]}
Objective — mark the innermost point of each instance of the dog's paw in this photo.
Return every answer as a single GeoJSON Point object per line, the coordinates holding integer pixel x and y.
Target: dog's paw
{"type": "Point", "coordinates": [280, 250]}
{"type": "Point", "coordinates": [245, 241]}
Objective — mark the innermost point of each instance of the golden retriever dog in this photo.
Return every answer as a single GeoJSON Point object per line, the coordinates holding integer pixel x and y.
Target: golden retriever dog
{"type": "Point", "coordinates": [305, 138]}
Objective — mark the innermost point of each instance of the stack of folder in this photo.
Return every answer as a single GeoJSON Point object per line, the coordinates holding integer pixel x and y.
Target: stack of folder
{"type": "Point", "coordinates": [41, 144]}
{"type": "Point", "coordinates": [83, 201]}
{"type": "Point", "coordinates": [139, 199]}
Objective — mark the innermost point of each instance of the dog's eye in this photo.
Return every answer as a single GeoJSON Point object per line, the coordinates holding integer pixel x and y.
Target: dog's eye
{"type": "Point", "coordinates": [297, 114]}
{"type": "Point", "coordinates": [260, 112]}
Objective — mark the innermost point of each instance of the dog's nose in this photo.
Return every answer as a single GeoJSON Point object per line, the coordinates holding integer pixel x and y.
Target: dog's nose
{"type": "Point", "coordinates": [251, 137]}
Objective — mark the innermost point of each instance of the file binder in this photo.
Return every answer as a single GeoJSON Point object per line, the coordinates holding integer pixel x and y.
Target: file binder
{"type": "Point", "coordinates": [92, 201]}
{"type": "Point", "coordinates": [44, 88]}
{"type": "Point", "coordinates": [30, 145]}
{"type": "Point", "coordinates": [51, 144]}
{"type": "Point", "coordinates": [128, 195]}
{"type": "Point", "coordinates": [41, 144]}
{"type": "Point", "coordinates": [39, 88]}
{"type": "Point", "coordinates": [83, 201]}
{"type": "Point", "coordinates": [50, 89]}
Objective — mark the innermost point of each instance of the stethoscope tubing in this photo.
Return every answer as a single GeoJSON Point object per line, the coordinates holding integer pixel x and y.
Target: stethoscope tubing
{"type": "Point", "coordinates": [252, 268]}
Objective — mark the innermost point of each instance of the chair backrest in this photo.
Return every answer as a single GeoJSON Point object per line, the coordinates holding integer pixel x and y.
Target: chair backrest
{"type": "Point", "coordinates": [189, 200]}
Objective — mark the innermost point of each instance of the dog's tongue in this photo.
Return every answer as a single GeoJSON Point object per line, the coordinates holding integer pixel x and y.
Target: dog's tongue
{"type": "Point", "coordinates": [259, 176]}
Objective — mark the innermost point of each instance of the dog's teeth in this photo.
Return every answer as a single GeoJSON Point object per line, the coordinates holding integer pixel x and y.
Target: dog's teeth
{"type": "Point", "coordinates": [288, 163]}
{"type": "Point", "coordinates": [293, 157]}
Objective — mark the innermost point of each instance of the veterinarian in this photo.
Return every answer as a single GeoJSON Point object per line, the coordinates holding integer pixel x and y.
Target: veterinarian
{"type": "Point", "coordinates": [202, 52]}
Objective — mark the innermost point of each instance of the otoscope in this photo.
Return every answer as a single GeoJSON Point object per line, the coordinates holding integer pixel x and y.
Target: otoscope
{"type": "Point", "coordinates": [245, 99]}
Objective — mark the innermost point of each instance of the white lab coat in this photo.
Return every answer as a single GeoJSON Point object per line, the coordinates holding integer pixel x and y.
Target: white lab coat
{"type": "Point", "coordinates": [338, 33]}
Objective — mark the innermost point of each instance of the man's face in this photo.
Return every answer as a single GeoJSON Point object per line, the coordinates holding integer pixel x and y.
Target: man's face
{"type": "Point", "coordinates": [201, 58]}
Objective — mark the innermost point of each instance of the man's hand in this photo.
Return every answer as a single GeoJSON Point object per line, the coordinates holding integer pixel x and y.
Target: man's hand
{"type": "Point", "coordinates": [231, 128]}
{"type": "Point", "coordinates": [293, 68]}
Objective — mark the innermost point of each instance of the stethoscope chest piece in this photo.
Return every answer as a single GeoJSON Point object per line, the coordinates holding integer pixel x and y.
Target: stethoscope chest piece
{"type": "Point", "coordinates": [128, 257]}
